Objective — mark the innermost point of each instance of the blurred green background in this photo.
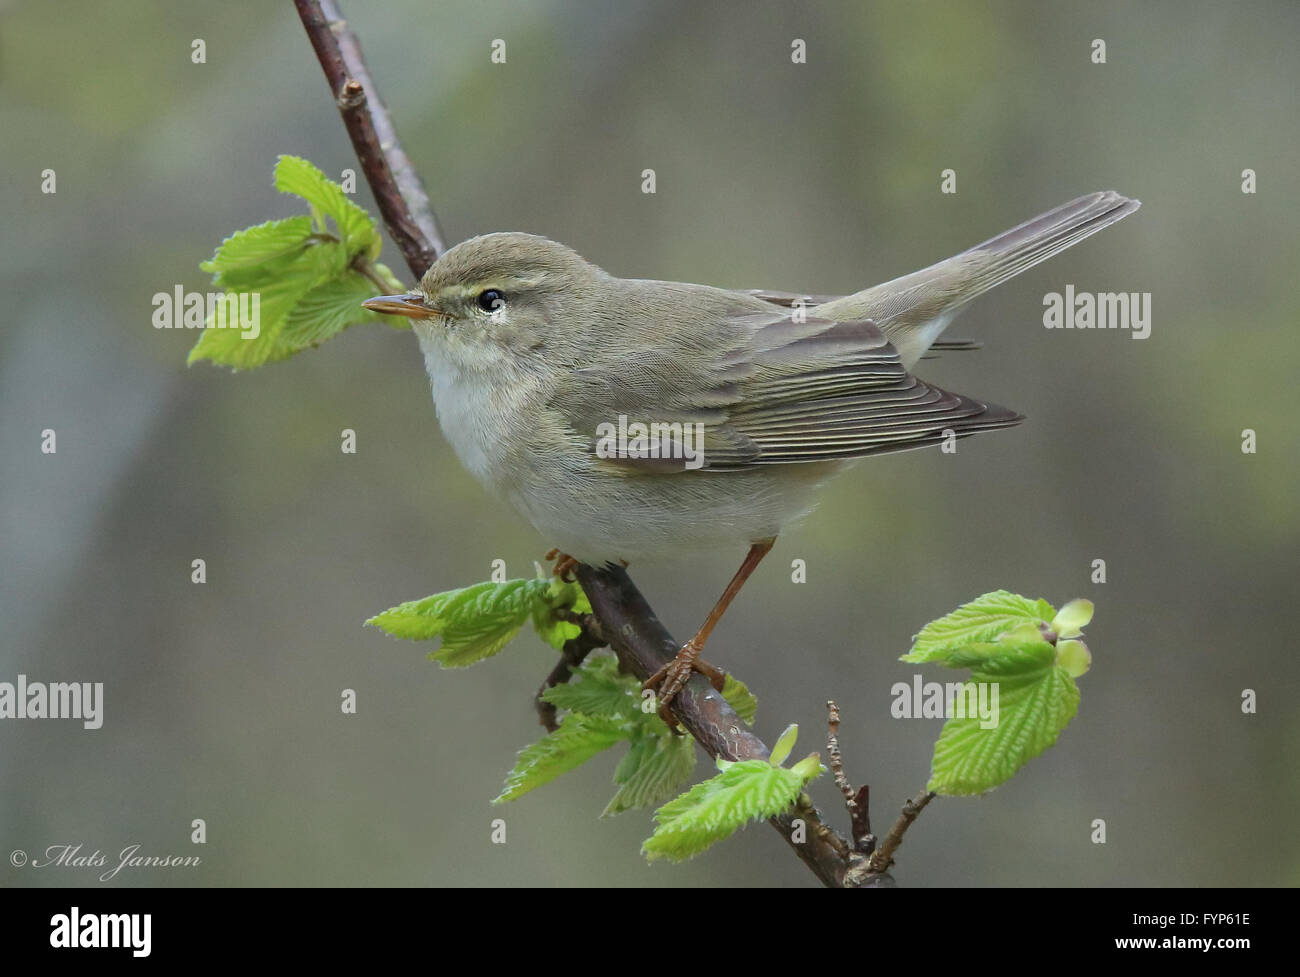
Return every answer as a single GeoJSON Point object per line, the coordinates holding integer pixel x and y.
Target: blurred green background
{"type": "Point", "coordinates": [222, 700]}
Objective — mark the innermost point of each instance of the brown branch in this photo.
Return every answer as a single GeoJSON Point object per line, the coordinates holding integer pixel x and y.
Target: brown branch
{"type": "Point", "coordinates": [883, 857]}
{"type": "Point", "coordinates": [854, 802]}
{"type": "Point", "coordinates": [401, 197]}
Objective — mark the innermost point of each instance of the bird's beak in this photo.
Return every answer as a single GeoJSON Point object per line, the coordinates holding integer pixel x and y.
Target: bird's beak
{"type": "Point", "coordinates": [411, 305]}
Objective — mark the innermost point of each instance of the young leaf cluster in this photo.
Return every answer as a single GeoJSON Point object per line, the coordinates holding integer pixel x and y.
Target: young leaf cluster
{"type": "Point", "coordinates": [602, 708]}
{"type": "Point", "coordinates": [309, 273]}
{"type": "Point", "coordinates": [1026, 652]}
{"type": "Point", "coordinates": [476, 622]}
{"type": "Point", "coordinates": [743, 791]}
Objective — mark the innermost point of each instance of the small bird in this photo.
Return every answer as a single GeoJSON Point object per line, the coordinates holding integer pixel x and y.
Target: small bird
{"type": "Point", "coordinates": [631, 419]}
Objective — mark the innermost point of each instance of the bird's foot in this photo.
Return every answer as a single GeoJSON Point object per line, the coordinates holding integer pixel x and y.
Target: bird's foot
{"type": "Point", "coordinates": [673, 676]}
{"type": "Point", "coordinates": [564, 565]}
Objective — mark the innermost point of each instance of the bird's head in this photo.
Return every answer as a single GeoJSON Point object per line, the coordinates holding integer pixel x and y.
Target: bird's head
{"type": "Point", "coordinates": [514, 290]}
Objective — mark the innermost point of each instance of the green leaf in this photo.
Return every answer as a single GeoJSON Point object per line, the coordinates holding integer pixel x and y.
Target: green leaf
{"type": "Point", "coordinates": [1074, 657]}
{"type": "Point", "coordinates": [1071, 619]}
{"type": "Point", "coordinates": [656, 765]}
{"type": "Point", "coordinates": [260, 244]}
{"type": "Point", "coordinates": [600, 691]}
{"type": "Point", "coordinates": [356, 230]}
{"type": "Point", "coordinates": [740, 698]}
{"type": "Point", "coordinates": [576, 741]}
{"type": "Point", "coordinates": [243, 351]}
{"type": "Point", "coordinates": [1033, 708]}
{"type": "Point", "coordinates": [983, 619]}
{"type": "Point", "coordinates": [808, 768]}
{"type": "Point", "coordinates": [1000, 657]}
{"type": "Point", "coordinates": [784, 744]}
{"type": "Point", "coordinates": [559, 596]}
{"type": "Point", "coordinates": [1028, 684]}
{"type": "Point", "coordinates": [309, 283]}
{"type": "Point", "coordinates": [474, 622]}
{"type": "Point", "coordinates": [715, 809]}
{"type": "Point", "coordinates": [328, 309]}
{"type": "Point", "coordinates": [279, 287]}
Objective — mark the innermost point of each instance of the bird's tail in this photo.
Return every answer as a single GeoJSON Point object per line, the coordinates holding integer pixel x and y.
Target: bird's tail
{"type": "Point", "coordinates": [1025, 245]}
{"type": "Point", "coordinates": [913, 310]}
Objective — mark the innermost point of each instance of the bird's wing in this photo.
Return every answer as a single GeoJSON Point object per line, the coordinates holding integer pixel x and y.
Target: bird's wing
{"type": "Point", "coordinates": [781, 390]}
{"type": "Point", "coordinates": [789, 300]}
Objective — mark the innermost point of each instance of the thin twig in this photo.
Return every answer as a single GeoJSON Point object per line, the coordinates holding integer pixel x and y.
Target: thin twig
{"type": "Point", "coordinates": [401, 197]}
{"type": "Point", "coordinates": [884, 855]}
{"type": "Point", "coordinates": [854, 802]}
{"type": "Point", "coordinates": [867, 842]}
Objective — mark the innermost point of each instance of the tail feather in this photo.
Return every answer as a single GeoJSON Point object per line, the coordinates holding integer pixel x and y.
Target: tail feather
{"type": "Point", "coordinates": [1011, 252]}
{"type": "Point", "coordinates": [915, 309]}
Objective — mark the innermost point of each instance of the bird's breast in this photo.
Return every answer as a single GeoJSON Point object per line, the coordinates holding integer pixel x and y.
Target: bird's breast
{"type": "Point", "coordinates": [490, 406]}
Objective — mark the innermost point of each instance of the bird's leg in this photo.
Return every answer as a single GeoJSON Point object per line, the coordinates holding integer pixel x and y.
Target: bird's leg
{"type": "Point", "coordinates": [564, 565]}
{"type": "Point", "coordinates": [675, 674]}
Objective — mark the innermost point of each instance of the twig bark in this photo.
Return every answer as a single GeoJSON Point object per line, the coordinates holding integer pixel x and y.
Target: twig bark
{"type": "Point", "coordinates": [401, 197]}
{"type": "Point", "coordinates": [855, 802]}
{"type": "Point", "coordinates": [883, 857]}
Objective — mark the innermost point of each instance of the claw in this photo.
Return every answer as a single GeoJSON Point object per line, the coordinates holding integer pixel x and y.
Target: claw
{"type": "Point", "coordinates": [564, 564]}
{"type": "Point", "coordinates": [673, 676]}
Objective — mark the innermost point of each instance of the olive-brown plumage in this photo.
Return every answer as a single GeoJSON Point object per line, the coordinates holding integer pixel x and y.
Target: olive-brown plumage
{"type": "Point", "coordinates": [535, 354]}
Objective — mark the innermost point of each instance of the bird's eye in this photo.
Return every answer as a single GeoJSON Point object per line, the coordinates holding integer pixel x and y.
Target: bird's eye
{"type": "Point", "coordinates": [489, 300]}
